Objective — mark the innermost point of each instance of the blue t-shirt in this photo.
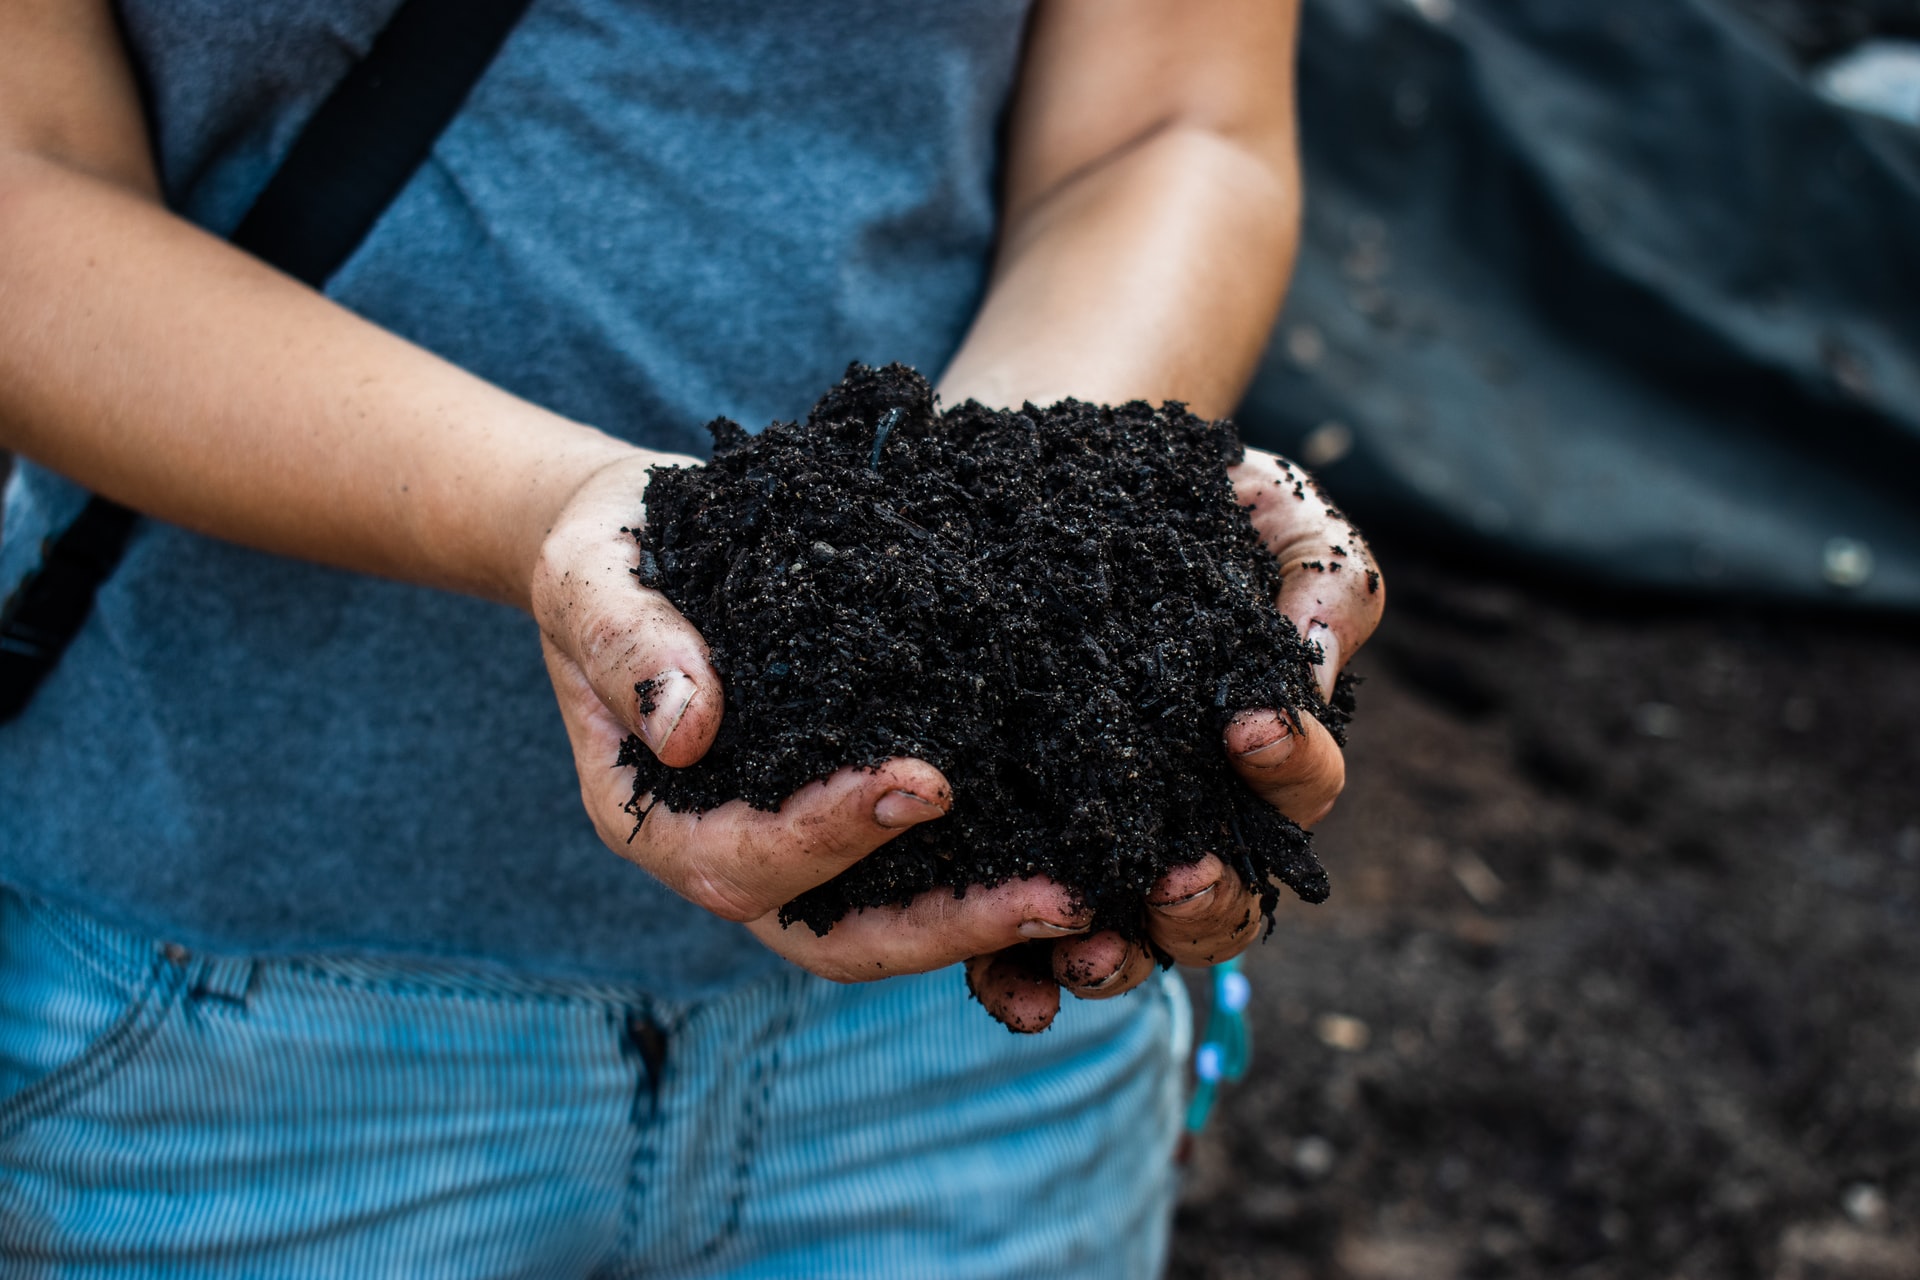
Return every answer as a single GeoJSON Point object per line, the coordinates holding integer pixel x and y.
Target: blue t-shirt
{"type": "Point", "coordinates": [646, 215]}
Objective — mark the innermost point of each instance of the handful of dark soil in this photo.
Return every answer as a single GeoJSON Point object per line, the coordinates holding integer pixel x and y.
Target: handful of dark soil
{"type": "Point", "coordinates": [1059, 608]}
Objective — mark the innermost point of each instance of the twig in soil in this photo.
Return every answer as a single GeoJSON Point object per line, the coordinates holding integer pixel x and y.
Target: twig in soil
{"type": "Point", "coordinates": [887, 424]}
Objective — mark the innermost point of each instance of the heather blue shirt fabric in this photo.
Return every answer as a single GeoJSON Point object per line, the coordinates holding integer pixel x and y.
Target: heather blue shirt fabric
{"type": "Point", "coordinates": [648, 214]}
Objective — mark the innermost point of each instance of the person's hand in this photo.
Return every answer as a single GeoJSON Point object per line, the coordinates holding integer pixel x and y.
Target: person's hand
{"type": "Point", "coordinates": [603, 634]}
{"type": "Point", "coordinates": [1203, 913]}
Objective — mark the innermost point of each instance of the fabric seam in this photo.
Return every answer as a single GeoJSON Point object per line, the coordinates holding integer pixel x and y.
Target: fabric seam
{"type": "Point", "coordinates": [75, 936]}
{"type": "Point", "coordinates": [117, 1046]}
{"type": "Point", "coordinates": [480, 991]}
{"type": "Point", "coordinates": [747, 1145]}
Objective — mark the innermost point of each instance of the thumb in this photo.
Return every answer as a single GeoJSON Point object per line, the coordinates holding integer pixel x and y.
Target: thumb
{"type": "Point", "coordinates": [642, 659]}
{"type": "Point", "coordinates": [649, 666]}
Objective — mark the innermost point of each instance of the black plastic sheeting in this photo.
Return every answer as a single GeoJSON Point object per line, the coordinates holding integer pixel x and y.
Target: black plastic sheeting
{"type": "Point", "coordinates": [1608, 287]}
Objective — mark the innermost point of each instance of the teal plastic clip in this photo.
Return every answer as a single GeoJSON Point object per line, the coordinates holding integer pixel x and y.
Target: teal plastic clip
{"type": "Point", "coordinates": [1224, 1047]}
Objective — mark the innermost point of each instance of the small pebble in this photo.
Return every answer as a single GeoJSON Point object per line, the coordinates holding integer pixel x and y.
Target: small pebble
{"type": "Point", "coordinates": [1656, 720]}
{"type": "Point", "coordinates": [1846, 562]}
{"type": "Point", "coordinates": [1305, 346]}
{"type": "Point", "coordinates": [1479, 881]}
{"type": "Point", "coordinates": [1338, 1031]}
{"type": "Point", "coordinates": [1326, 444]}
{"type": "Point", "coordinates": [1798, 713]}
{"type": "Point", "coordinates": [1313, 1157]}
{"type": "Point", "coordinates": [1866, 1204]}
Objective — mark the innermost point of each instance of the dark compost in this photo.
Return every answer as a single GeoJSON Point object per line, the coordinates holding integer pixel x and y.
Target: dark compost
{"type": "Point", "coordinates": [1059, 608]}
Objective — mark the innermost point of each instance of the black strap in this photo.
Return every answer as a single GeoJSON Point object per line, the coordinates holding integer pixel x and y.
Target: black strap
{"type": "Point", "coordinates": [351, 160]}
{"type": "Point", "coordinates": [372, 133]}
{"type": "Point", "coordinates": [45, 613]}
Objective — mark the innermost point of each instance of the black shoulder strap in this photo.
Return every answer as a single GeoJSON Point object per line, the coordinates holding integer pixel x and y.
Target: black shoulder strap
{"type": "Point", "coordinates": [371, 134]}
{"type": "Point", "coordinates": [348, 164]}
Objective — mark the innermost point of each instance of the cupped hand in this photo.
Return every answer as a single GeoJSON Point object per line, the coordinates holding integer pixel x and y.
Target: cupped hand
{"type": "Point", "coordinates": [1203, 913]}
{"type": "Point", "coordinates": [606, 639]}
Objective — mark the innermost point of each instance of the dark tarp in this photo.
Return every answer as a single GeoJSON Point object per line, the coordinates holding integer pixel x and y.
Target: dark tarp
{"type": "Point", "coordinates": [1608, 286]}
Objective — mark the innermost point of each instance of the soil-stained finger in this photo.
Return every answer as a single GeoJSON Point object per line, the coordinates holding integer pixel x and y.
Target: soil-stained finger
{"type": "Point", "coordinates": [644, 660]}
{"type": "Point", "coordinates": [1015, 987]}
{"type": "Point", "coordinates": [740, 863]}
{"type": "Point", "coordinates": [1299, 771]}
{"type": "Point", "coordinates": [933, 931]}
{"type": "Point", "coordinates": [1206, 926]}
{"type": "Point", "coordinates": [649, 665]}
{"type": "Point", "coordinates": [1333, 590]}
{"type": "Point", "coordinates": [1100, 966]}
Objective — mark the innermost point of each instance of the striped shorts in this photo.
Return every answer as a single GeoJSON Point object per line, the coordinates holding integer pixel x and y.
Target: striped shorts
{"type": "Point", "coordinates": [170, 1114]}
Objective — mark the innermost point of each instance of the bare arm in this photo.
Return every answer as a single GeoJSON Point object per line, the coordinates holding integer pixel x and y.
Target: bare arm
{"type": "Point", "coordinates": [1152, 206]}
{"type": "Point", "coordinates": [159, 366]}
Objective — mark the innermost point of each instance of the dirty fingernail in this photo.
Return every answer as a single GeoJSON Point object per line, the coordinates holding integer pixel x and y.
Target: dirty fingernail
{"type": "Point", "coordinates": [670, 693]}
{"type": "Point", "coordinates": [1104, 984]}
{"type": "Point", "coordinates": [1271, 749]}
{"type": "Point", "coordinates": [1048, 929]}
{"type": "Point", "coordinates": [1189, 904]}
{"type": "Point", "coordinates": [898, 809]}
{"type": "Point", "coordinates": [1329, 669]}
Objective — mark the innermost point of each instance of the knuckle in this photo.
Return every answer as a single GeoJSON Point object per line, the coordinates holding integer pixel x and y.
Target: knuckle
{"type": "Point", "coordinates": [1229, 949]}
{"type": "Point", "coordinates": [843, 973]}
{"type": "Point", "coordinates": [721, 898]}
{"type": "Point", "coordinates": [1316, 814]}
{"type": "Point", "coordinates": [605, 639]}
{"type": "Point", "coordinates": [1208, 942]}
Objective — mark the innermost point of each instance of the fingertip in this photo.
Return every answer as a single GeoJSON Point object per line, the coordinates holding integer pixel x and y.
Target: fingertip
{"type": "Point", "coordinates": [1013, 986]}
{"type": "Point", "coordinates": [1259, 741]}
{"type": "Point", "coordinates": [1091, 966]}
{"type": "Point", "coordinates": [899, 809]}
{"type": "Point", "coordinates": [679, 715]}
{"type": "Point", "coordinates": [907, 792]}
{"type": "Point", "coordinates": [1040, 898]}
{"type": "Point", "coordinates": [911, 774]}
{"type": "Point", "coordinates": [1226, 926]}
{"type": "Point", "coordinates": [1185, 889]}
{"type": "Point", "coordinates": [1305, 780]}
{"type": "Point", "coordinates": [1336, 612]}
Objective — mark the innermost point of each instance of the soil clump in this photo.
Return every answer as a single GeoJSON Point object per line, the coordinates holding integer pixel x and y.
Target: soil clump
{"type": "Point", "coordinates": [1059, 608]}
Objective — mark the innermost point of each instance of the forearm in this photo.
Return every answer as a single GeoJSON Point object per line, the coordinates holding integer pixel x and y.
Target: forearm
{"type": "Point", "coordinates": [161, 367]}
{"type": "Point", "coordinates": [1155, 276]}
{"type": "Point", "coordinates": [1152, 205]}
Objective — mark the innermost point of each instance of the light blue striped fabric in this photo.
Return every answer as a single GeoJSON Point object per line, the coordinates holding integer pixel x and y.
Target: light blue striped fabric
{"type": "Point", "coordinates": [167, 1114]}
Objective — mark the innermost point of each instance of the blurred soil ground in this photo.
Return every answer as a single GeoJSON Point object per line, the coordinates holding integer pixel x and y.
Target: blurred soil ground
{"type": "Point", "coordinates": [1621, 974]}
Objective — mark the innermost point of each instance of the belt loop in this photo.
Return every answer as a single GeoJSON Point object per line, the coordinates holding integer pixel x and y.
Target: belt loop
{"type": "Point", "coordinates": [228, 978]}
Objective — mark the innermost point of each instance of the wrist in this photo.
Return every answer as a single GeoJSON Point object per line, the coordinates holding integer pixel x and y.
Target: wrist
{"type": "Point", "coordinates": [556, 495]}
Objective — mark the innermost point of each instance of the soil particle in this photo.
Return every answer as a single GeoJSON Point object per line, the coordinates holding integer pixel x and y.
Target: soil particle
{"type": "Point", "coordinates": [1059, 608]}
